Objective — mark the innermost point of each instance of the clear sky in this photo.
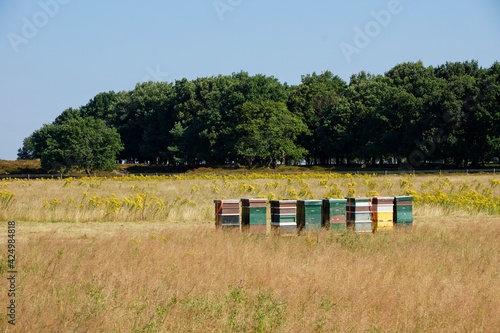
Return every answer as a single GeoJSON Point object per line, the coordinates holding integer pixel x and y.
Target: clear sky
{"type": "Point", "coordinates": [56, 54]}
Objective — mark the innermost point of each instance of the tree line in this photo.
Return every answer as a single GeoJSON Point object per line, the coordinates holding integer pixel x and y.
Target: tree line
{"type": "Point", "coordinates": [411, 115]}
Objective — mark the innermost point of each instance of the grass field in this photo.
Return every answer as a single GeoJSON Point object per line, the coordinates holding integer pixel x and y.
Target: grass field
{"type": "Point", "coordinates": [189, 198]}
{"type": "Point", "coordinates": [158, 265]}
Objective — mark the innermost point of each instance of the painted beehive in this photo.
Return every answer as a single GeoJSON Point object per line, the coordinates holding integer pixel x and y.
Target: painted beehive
{"type": "Point", "coordinates": [359, 214]}
{"type": "Point", "coordinates": [284, 216]}
{"type": "Point", "coordinates": [383, 213]}
{"type": "Point", "coordinates": [254, 215]}
{"type": "Point", "coordinates": [403, 210]}
{"type": "Point", "coordinates": [309, 215]}
{"type": "Point", "coordinates": [333, 214]}
{"type": "Point", "coordinates": [227, 214]}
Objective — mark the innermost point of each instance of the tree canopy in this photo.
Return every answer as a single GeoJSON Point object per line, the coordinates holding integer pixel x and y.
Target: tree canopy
{"type": "Point", "coordinates": [73, 142]}
{"type": "Point", "coordinates": [412, 114]}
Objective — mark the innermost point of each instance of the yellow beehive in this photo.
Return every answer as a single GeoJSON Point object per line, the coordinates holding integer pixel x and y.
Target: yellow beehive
{"type": "Point", "coordinates": [383, 216]}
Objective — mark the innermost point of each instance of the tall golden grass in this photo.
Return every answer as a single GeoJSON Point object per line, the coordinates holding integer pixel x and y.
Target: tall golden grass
{"type": "Point", "coordinates": [171, 271]}
{"type": "Point", "coordinates": [189, 199]}
{"type": "Point", "coordinates": [152, 277]}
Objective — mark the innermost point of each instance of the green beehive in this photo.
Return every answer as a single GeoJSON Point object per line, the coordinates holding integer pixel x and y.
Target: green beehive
{"type": "Point", "coordinates": [254, 215]}
{"type": "Point", "coordinates": [309, 215]}
{"type": "Point", "coordinates": [403, 209]}
{"type": "Point", "coordinates": [257, 215]}
{"type": "Point", "coordinates": [404, 198]}
{"type": "Point", "coordinates": [334, 214]}
{"type": "Point", "coordinates": [253, 211]}
{"type": "Point", "coordinates": [403, 214]}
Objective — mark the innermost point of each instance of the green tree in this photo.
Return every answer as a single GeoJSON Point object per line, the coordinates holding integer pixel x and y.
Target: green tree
{"type": "Point", "coordinates": [208, 110]}
{"type": "Point", "coordinates": [308, 101]}
{"type": "Point", "coordinates": [86, 144]}
{"type": "Point", "coordinates": [413, 116]}
{"type": "Point", "coordinates": [185, 141]}
{"type": "Point", "coordinates": [34, 145]}
{"type": "Point", "coordinates": [268, 133]}
{"type": "Point", "coordinates": [148, 118]}
{"type": "Point", "coordinates": [489, 108]}
{"type": "Point", "coordinates": [334, 131]}
{"type": "Point", "coordinates": [104, 106]}
{"type": "Point", "coordinates": [27, 151]}
{"type": "Point", "coordinates": [464, 123]}
{"type": "Point", "coordinates": [370, 125]}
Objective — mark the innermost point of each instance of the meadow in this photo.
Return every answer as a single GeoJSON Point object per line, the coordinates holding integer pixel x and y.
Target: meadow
{"type": "Point", "coordinates": [141, 254]}
{"type": "Point", "coordinates": [188, 198]}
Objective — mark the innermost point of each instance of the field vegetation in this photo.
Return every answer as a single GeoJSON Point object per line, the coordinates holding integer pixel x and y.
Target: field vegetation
{"type": "Point", "coordinates": [189, 197]}
{"type": "Point", "coordinates": [141, 254]}
{"type": "Point", "coordinates": [20, 167]}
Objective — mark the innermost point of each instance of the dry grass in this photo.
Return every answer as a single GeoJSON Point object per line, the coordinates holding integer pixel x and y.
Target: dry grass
{"type": "Point", "coordinates": [157, 278]}
{"type": "Point", "coordinates": [20, 166]}
{"type": "Point", "coordinates": [190, 198]}
{"type": "Point", "coordinates": [170, 271]}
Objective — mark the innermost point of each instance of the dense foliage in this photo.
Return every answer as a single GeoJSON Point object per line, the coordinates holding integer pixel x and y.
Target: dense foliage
{"type": "Point", "coordinates": [73, 142]}
{"type": "Point", "coordinates": [411, 115]}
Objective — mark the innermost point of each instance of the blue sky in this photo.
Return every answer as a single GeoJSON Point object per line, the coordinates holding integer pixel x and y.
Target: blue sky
{"type": "Point", "coordinates": [56, 54]}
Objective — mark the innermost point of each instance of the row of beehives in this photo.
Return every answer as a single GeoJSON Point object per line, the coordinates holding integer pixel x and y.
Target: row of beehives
{"type": "Point", "coordinates": [292, 216]}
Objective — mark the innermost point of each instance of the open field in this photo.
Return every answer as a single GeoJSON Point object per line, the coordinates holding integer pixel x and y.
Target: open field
{"type": "Point", "coordinates": [189, 198]}
{"type": "Point", "coordinates": [158, 265]}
